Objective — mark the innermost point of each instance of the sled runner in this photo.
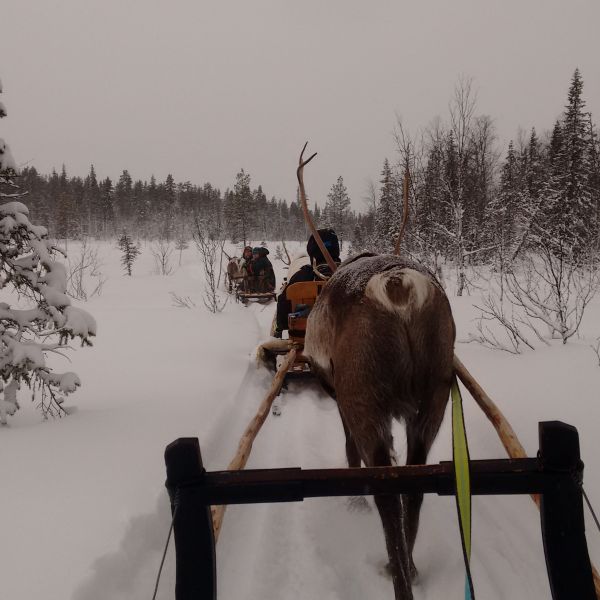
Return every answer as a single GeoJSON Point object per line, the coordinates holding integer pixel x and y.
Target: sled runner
{"type": "Point", "coordinates": [248, 288]}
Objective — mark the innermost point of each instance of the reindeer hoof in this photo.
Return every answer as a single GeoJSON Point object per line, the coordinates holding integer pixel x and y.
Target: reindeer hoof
{"type": "Point", "coordinates": [385, 570]}
{"type": "Point", "coordinates": [414, 573]}
{"type": "Point", "coordinates": [358, 504]}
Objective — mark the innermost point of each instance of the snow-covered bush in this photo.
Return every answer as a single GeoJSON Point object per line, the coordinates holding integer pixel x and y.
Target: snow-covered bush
{"type": "Point", "coordinates": [44, 320]}
{"type": "Point", "coordinates": [541, 296]}
{"type": "Point", "coordinates": [161, 251]}
{"type": "Point", "coordinates": [84, 277]}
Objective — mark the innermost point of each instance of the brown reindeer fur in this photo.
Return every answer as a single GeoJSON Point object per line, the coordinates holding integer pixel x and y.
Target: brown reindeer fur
{"type": "Point", "coordinates": [381, 339]}
{"type": "Point", "coordinates": [235, 272]}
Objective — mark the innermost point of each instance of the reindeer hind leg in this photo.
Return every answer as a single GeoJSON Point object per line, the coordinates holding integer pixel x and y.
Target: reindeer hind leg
{"type": "Point", "coordinates": [376, 450]}
{"type": "Point", "coordinates": [352, 453]}
{"type": "Point", "coordinates": [420, 435]}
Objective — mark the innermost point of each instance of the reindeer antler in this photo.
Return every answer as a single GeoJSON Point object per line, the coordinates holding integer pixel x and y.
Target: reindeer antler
{"type": "Point", "coordinates": [299, 172]}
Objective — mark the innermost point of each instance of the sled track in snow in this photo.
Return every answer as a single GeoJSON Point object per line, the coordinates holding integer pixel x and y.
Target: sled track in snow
{"type": "Point", "coordinates": [321, 548]}
{"type": "Point", "coordinates": [272, 547]}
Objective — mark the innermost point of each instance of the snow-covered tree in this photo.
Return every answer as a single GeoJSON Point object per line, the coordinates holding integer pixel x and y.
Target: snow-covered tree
{"type": "Point", "coordinates": [529, 192]}
{"type": "Point", "coordinates": [66, 223]}
{"type": "Point", "coordinates": [169, 208]}
{"type": "Point", "coordinates": [569, 203]}
{"type": "Point", "coordinates": [337, 209]}
{"type": "Point", "coordinates": [501, 212]}
{"type": "Point", "coordinates": [123, 196]}
{"type": "Point", "coordinates": [130, 252]}
{"type": "Point", "coordinates": [40, 319]}
{"type": "Point", "coordinates": [181, 239]}
{"type": "Point", "coordinates": [388, 214]}
{"type": "Point", "coordinates": [239, 209]}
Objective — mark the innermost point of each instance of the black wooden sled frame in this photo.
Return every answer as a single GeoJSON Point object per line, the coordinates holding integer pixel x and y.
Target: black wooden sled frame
{"type": "Point", "coordinates": [556, 474]}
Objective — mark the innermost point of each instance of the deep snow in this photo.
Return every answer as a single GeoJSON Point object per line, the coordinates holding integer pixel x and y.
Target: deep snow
{"type": "Point", "coordinates": [84, 506]}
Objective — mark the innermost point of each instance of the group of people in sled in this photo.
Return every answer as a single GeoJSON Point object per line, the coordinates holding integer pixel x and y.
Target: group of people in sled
{"type": "Point", "coordinates": [256, 271]}
{"type": "Point", "coordinates": [255, 274]}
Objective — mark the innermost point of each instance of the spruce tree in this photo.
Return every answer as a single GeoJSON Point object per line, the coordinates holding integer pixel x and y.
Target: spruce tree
{"type": "Point", "coordinates": [568, 193]}
{"type": "Point", "coordinates": [531, 199]}
{"type": "Point", "coordinates": [91, 204]}
{"type": "Point", "coordinates": [123, 197]}
{"type": "Point", "coordinates": [107, 214]}
{"type": "Point", "coordinates": [387, 217]}
{"type": "Point", "coordinates": [259, 202]}
{"type": "Point", "coordinates": [66, 224]}
{"type": "Point", "coordinates": [431, 210]}
{"type": "Point", "coordinates": [239, 209]}
{"type": "Point", "coordinates": [577, 150]}
{"type": "Point", "coordinates": [168, 209]}
{"type": "Point", "coordinates": [336, 213]}
{"type": "Point", "coordinates": [501, 213]}
{"type": "Point", "coordinates": [130, 252]}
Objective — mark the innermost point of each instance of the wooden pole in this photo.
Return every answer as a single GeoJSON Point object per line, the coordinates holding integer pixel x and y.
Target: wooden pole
{"type": "Point", "coordinates": [508, 437]}
{"type": "Point", "coordinates": [245, 446]}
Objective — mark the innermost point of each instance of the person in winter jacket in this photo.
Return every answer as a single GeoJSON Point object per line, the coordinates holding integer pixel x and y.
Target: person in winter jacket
{"type": "Point", "coordinates": [307, 273]}
{"type": "Point", "coordinates": [246, 262]}
{"type": "Point", "coordinates": [263, 276]}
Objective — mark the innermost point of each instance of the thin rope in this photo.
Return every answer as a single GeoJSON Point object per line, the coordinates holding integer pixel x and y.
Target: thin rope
{"type": "Point", "coordinates": [587, 500]}
{"type": "Point", "coordinates": [162, 562]}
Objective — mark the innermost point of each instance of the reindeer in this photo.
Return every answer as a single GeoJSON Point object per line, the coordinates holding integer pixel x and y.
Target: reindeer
{"type": "Point", "coordinates": [235, 273]}
{"type": "Point", "coordinates": [380, 338]}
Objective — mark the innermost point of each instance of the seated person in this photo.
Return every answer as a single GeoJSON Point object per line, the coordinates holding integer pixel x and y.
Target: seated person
{"type": "Point", "coordinates": [307, 273]}
{"type": "Point", "coordinates": [262, 278]}
{"type": "Point", "coordinates": [246, 257]}
{"type": "Point", "coordinates": [246, 267]}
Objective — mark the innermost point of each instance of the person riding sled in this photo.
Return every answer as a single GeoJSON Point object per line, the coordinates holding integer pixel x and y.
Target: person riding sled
{"type": "Point", "coordinates": [246, 267]}
{"type": "Point", "coordinates": [262, 279]}
{"type": "Point", "coordinates": [246, 257]}
{"type": "Point", "coordinates": [308, 273]}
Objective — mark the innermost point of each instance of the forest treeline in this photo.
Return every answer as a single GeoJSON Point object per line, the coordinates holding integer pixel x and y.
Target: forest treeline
{"type": "Point", "coordinates": [467, 201]}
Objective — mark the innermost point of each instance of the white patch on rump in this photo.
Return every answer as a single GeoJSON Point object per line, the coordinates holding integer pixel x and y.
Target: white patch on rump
{"type": "Point", "coordinates": [421, 286]}
{"type": "Point", "coordinates": [418, 285]}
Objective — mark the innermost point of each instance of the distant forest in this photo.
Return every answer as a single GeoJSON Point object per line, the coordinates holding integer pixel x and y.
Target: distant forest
{"type": "Point", "coordinates": [467, 202]}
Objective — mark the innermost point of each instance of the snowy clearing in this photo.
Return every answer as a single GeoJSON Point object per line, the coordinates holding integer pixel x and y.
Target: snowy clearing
{"type": "Point", "coordinates": [85, 510]}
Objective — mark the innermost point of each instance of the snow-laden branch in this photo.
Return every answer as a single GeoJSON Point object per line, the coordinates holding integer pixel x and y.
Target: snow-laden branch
{"type": "Point", "coordinates": [28, 335]}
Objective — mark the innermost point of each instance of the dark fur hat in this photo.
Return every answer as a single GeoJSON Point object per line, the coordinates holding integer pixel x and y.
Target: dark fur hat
{"type": "Point", "coordinates": [331, 242]}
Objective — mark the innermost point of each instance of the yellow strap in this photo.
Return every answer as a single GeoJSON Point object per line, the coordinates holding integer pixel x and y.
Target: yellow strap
{"type": "Point", "coordinates": [460, 453]}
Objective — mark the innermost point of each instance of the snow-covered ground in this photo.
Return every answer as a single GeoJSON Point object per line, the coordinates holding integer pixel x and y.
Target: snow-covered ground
{"type": "Point", "coordinates": [85, 512]}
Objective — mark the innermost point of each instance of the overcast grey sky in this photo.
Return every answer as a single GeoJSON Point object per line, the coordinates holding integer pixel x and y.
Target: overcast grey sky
{"type": "Point", "coordinates": [201, 89]}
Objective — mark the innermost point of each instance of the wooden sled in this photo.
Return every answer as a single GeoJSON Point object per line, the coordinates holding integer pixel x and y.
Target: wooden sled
{"type": "Point", "coordinates": [262, 297]}
{"type": "Point", "coordinates": [302, 296]}
{"type": "Point", "coordinates": [253, 288]}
